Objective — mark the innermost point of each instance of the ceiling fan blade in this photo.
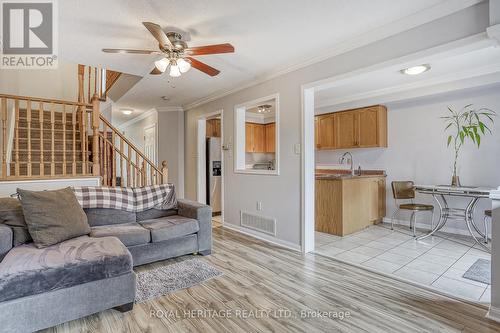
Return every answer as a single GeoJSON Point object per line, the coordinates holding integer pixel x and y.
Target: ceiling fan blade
{"type": "Point", "coordinates": [210, 49]}
{"type": "Point", "coordinates": [158, 33]}
{"type": "Point", "coordinates": [156, 71]}
{"type": "Point", "coordinates": [203, 67]}
{"type": "Point", "coordinates": [130, 51]}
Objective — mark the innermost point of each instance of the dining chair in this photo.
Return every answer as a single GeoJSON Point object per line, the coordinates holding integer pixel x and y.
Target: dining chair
{"type": "Point", "coordinates": [487, 216]}
{"type": "Point", "coordinates": [405, 190]}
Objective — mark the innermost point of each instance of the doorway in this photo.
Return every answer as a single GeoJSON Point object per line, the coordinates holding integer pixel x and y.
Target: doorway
{"type": "Point", "coordinates": [210, 164]}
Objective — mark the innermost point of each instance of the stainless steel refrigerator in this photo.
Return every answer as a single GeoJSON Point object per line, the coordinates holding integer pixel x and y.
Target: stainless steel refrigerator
{"type": "Point", "coordinates": [214, 181]}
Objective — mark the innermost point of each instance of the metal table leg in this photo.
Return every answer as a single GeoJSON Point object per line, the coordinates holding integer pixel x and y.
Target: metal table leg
{"type": "Point", "coordinates": [469, 220]}
{"type": "Point", "coordinates": [443, 217]}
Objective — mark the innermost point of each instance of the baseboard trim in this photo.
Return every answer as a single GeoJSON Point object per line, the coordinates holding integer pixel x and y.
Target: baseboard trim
{"type": "Point", "coordinates": [427, 226]}
{"type": "Point", "coordinates": [265, 238]}
{"type": "Point", "coordinates": [493, 314]}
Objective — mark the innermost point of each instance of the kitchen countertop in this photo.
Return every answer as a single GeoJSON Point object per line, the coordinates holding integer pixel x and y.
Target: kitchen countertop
{"type": "Point", "coordinates": [346, 174]}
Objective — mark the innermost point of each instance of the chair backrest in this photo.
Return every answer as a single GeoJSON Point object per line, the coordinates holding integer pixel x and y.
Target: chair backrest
{"type": "Point", "coordinates": [403, 189]}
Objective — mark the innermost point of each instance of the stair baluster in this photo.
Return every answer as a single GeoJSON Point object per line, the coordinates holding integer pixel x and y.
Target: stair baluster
{"type": "Point", "coordinates": [52, 143]}
{"type": "Point", "coordinates": [41, 112]}
{"type": "Point", "coordinates": [16, 129]}
{"type": "Point", "coordinates": [28, 120]}
{"type": "Point", "coordinates": [4, 139]}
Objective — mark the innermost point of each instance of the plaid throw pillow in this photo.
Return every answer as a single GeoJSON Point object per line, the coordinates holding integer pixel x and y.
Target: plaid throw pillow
{"type": "Point", "coordinates": [129, 199]}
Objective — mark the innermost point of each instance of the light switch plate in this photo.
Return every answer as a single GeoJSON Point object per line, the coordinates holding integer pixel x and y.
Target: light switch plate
{"type": "Point", "coordinates": [296, 148]}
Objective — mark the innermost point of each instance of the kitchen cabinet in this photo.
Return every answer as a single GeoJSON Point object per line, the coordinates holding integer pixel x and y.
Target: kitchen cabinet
{"type": "Point", "coordinates": [345, 130]}
{"type": "Point", "coordinates": [358, 128]}
{"type": "Point", "coordinates": [325, 132]}
{"type": "Point", "coordinates": [260, 138]}
{"type": "Point", "coordinates": [345, 205]}
{"type": "Point", "coordinates": [270, 137]}
{"type": "Point", "coordinates": [213, 128]}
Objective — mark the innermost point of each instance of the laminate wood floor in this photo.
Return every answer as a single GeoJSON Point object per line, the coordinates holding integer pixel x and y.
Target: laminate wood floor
{"type": "Point", "coordinates": [269, 289]}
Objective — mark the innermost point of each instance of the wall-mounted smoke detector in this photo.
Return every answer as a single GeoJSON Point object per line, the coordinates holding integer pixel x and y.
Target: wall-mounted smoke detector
{"type": "Point", "coordinates": [415, 70]}
{"type": "Point", "coordinates": [165, 98]}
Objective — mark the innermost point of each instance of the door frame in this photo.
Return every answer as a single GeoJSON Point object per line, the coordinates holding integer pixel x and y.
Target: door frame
{"type": "Point", "coordinates": [475, 42]}
{"type": "Point", "coordinates": [201, 163]}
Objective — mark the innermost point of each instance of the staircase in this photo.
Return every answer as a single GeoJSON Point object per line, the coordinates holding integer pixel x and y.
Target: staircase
{"type": "Point", "coordinates": [57, 139]}
{"type": "Point", "coordinates": [50, 139]}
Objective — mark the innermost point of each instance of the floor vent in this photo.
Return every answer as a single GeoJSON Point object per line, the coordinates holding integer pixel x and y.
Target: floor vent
{"type": "Point", "coordinates": [259, 223]}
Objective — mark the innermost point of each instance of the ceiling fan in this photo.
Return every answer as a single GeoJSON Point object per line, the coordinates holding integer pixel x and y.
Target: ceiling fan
{"type": "Point", "coordinates": [176, 53]}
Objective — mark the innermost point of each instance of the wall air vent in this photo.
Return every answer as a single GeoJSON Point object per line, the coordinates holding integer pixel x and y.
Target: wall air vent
{"type": "Point", "coordinates": [259, 223]}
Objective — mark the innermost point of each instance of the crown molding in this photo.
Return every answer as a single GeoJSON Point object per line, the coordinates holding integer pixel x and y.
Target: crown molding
{"type": "Point", "coordinates": [420, 18]}
{"type": "Point", "coordinates": [136, 119]}
{"type": "Point", "coordinates": [170, 109]}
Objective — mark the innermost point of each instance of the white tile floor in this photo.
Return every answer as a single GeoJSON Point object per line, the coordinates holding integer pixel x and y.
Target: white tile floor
{"type": "Point", "coordinates": [438, 261]}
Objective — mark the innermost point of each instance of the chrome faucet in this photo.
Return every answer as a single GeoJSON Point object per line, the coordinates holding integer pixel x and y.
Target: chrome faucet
{"type": "Point", "coordinates": [344, 158]}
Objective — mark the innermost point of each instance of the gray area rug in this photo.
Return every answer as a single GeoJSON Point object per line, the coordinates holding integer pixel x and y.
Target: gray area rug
{"type": "Point", "coordinates": [168, 279]}
{"type": "Point", "coordinates": [480, 271]}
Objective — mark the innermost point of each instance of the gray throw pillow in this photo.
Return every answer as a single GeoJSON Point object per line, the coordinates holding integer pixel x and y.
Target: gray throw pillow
{"type": "Point", "coordinates": [53, 216]}
{"type": "Point", "coordinates": [11, 214]}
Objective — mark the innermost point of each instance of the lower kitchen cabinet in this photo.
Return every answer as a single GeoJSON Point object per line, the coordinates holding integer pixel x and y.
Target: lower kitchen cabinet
{"type": "Point", "coordinates": [349, 204]}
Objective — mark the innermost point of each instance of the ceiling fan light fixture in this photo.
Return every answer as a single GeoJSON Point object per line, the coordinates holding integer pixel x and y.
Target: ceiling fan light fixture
{"type": "Point", "coordinates": [174, 69]}
{"type": "Point", "coordinates": [184, 65]}
{"type": "Point", "coordinates": [162, 64]}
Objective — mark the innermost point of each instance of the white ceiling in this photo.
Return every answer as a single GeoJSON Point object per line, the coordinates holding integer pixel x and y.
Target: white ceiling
{"type": "Point", "coordinates": [268, 36]}
{"type": "Point", "coordinates": [450, 71]}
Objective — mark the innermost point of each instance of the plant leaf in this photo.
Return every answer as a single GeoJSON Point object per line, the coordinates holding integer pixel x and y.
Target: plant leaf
{"type": "Point", "coordinates": [449, 140]}
{"type": "Point", "coordinates": [478, 140]}
{"type": "Point", "coordinates": [481, 126]}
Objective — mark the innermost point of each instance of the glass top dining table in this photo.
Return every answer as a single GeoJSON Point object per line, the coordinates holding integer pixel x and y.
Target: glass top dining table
{"type": "Point", "coordinates": [473, 193]}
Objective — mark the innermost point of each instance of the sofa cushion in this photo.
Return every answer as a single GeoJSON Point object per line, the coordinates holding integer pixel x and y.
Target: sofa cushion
{"type": "Point", "coordinates": [129, 233]}
{"type": "Point", "coordinates": [170, 227]}
{"type": "Point", "coordinates": [27, 270]}
{"type": "Point", "coordinates": [107, 216]}
{"type": "Point", "coordinates": [11, 214]}
{"type": "Point", "coordinates": [154, 213]}
{"type": "Point", "coordinates": [53, 216]}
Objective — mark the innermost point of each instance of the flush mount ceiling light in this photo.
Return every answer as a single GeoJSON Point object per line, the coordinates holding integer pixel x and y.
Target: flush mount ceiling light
{"type": "Point", "coordinates": [415, 70]}
{"type": "Point", "coordinates": [266, 108]}
{"type": "Point", "coordinates": [126, 111]}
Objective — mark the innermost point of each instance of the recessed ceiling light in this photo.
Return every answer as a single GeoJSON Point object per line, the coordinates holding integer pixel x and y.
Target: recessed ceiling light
{"type": "Point", "coordinates": [126, 111]}
{"type": "Point", "coordinates": [415, 70]}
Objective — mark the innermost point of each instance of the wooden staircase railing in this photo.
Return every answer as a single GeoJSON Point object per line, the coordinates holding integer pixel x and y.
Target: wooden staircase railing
{"type": "Point", "coordinates": [93, 80]}
{"type": "Point", "coordinates": [46, 137]}
{"type": "Point", "coordinates": [120, 162]}
{"type": "Point", "coordinates": [49, 138]}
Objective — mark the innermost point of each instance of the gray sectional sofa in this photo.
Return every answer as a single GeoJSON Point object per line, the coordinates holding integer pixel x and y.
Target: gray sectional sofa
{"type": "Point", "coordinates": [40, 288]}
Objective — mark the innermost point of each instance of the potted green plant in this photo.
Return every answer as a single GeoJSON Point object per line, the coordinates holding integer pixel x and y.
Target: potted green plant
{"type": "Point", "coordinates": [465, 125]}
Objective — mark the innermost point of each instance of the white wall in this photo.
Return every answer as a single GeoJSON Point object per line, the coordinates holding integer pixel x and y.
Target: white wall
{"type": "Point", "coordinates": [417, 148]}
{"type": "Point", "coordinates": [171, 147]}
{"type": "Point", "coordinates": [60, 83]}
{"type": "Point", "coordinates": [281, 195]}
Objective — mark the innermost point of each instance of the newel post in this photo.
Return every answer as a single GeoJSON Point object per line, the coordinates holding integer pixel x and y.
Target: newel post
{"type": "Point", "coordinates": [96, 167]}
{"type": "Point", "coordinates": [164, 172]}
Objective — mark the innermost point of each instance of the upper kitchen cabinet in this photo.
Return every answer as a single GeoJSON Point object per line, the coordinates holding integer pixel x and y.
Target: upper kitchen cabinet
{"type": "Point", "coordinates": [270, 137]}
{"type": "Point", "coordinates": [371, 124]}
{"type": "Point", "coordinates": [213, 128]}
{"type": "Point", "coordinates": [325, 132]}
{"type": "Point", "coordinates": [345, 130]}
{"type": "Point", "coordinates": [358, 128]}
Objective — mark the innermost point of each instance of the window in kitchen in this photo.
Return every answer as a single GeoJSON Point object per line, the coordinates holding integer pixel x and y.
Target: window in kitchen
{"type": "Point", "coordinates": [257, 136]}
